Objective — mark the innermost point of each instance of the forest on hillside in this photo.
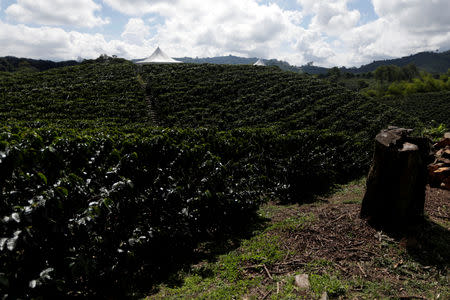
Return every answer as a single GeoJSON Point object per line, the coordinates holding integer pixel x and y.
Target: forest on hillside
{"type": "Point", "coordinates": [14, 64]}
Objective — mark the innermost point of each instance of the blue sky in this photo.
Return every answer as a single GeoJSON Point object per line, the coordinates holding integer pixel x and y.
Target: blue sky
{"type": "Point", "coordinates": [327, 32]}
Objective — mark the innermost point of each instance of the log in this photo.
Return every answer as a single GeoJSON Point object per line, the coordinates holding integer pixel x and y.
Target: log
{"type": "Point", "coordinates": [439, 170]}
{"type": "Point", "coordinates": [395, 187]}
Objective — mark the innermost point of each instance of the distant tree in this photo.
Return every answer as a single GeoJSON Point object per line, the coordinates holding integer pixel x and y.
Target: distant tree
{"type": "Point", "coordinates": [348, 75]}
{"type": "Point", "coordinates": [102, 58]}
{"type": "Point", "coordinates": [409, 72]}
{"type": "Point", "coordinates": [334, 72]}
{"type": "Point", "coordinates": [379, 73]}
{"type": "Point", "coordinates": [388, 73]}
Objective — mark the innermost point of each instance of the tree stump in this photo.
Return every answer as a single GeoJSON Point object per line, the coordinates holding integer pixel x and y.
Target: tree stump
{"type": "Point", "coordinates": [395, 187]}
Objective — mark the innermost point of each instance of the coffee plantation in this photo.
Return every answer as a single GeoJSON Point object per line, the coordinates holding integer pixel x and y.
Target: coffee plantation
{"type": "Point", "coordinates": [97, 201]}
{"type": "Point", "coordinates": [427, 107]}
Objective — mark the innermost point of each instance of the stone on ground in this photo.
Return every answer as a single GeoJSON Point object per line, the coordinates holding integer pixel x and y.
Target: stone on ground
{"type": "Point", "coordinates": [302, 281]}
{"type": "Point", "coordinates": [324, 296]}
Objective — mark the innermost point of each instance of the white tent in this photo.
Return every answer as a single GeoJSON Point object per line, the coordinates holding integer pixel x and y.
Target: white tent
{"type": "Point", "coordinates": [259, 63]}
{"type": "Point", "coordinates": [158, 57]}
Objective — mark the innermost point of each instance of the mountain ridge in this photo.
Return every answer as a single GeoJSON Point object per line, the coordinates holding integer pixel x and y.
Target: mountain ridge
{"type": "Point", "coordinates": [431, 62]}
{"type": "Point", "coordinates": [15, 64]}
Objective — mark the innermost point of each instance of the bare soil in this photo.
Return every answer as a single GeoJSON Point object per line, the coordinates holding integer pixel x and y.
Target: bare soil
{"type": "Point", "coordinates": [357, 250]}
{"type": "Point", "coordinates": [341, 253]}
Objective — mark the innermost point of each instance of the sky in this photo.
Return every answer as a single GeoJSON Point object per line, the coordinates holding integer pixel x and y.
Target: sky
{"type": "Point", "coordinates": [325, 32]}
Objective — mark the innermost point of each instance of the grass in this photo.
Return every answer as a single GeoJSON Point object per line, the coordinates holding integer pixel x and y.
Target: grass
{"type": "Point", "coordinates": [258, 266]}
{"type": "Point", "coordinates": [270, 210]}
{"type": "Point", "coordinates": [198, 287]}
{"type": "Point", "coordinates": [293, 223]}
{"type": "Point", "coordinates": [350, 193]}
{"type": "Point", "coordinates": [364, 289]}
{"type": "Point", "coordinates": [226, 278]}
{"type": "Point", "coordinates": [140, 80]}
{"type": "Point", "coordinates": [326, 283]}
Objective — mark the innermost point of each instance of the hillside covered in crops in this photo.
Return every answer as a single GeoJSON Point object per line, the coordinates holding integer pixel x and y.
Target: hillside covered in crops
{"type": "Point", "coordinates": [227, 97]}
{"type": "Point", "coordinates": [427, 107]}
{"type": "Point", "coordinates": [112, 173]}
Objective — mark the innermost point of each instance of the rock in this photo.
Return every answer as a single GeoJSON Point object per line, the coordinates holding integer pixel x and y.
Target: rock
{"type": "Point", "coordinates": [302, 281]}
{"type": "Point", "coordinates": [324, 296]}
{"type": "Point", "coordinates": [395, 188]}
{"type": "Point", "coordinates": [447, 135]}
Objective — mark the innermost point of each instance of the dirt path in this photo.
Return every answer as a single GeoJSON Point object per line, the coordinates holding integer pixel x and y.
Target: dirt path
{"type": "Point", "coordinates": [148, 99]}
{"type": "Point", "coordinates": [151, 111]}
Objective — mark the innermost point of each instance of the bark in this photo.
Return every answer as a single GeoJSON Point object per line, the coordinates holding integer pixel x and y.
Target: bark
{"type": "Point", "coordinates": [395, 188]}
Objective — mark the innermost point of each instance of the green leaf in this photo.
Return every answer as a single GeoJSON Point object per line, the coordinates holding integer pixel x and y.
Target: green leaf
{"type": "Point", "coordinates": [108, 203]}
{"type": "Point", "coordinates": [43, 177]}
{"type": "Point", "coordinates": [208, 194]}
{"type": "Point", "coordinates": [62, 191]}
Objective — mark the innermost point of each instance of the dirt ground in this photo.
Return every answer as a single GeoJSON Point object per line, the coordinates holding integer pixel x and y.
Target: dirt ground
{"type": "Point", "coordinates": [359, 251]}
{"type": "Point", "coordinates": [341, 253]}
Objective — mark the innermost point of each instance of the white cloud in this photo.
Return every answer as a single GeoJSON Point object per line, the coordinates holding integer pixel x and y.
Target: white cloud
{"type": "Point", "coordinates": [417, 16]}
{"type": "Point", "coordinates": [142, 7]}
{"type": "Point", "coordinates": [135, 31]}
{"type": "Point", "coordinates": [330, 16]}
{"type": "Point", "coordinates": [239, 27]}
{"type": "Point", "coordinates": [403, 28]}
{"type": "Point", "coordinates": [58, 44]}
{"type": "Point", "coordinates": [222, 27]}
{"type": "Point", "coordinates": [80, 13]}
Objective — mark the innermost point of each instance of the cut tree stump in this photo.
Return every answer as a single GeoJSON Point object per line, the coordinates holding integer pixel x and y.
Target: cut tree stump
{"type": "Point", "coordinates": [395, 188]}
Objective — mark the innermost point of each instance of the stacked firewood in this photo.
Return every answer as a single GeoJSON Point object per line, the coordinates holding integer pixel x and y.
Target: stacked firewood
{"type": "Point", "coordinates": [439, 170]}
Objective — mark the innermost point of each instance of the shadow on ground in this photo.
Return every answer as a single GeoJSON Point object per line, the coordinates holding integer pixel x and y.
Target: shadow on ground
{"type": "Point", "coordinates": [208, 251]}
{"type": "Point", "coordinates": [429, 245]}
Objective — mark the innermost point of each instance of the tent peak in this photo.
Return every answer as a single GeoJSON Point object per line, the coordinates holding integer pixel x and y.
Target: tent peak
{"type": "Point", "coordinates": [260, 62]}
{"type": "Point", "coordinates": [158, 57]}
